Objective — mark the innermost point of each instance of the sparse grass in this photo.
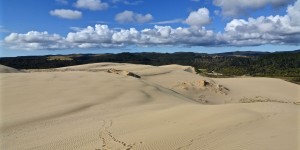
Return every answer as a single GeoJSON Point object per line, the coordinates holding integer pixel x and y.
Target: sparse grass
{"type": "Point", "coordinates": [59, 58]}
{"type": "Point", "coordinates": [203, 72]}
{"type": "Point", "coordinates": [295, 80]}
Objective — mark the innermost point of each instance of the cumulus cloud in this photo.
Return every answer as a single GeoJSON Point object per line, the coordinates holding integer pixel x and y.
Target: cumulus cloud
{"type": "Point", "coordinates": [99, 34]}
{"type": "Point", "coordinates": [293, 13]}
{"type": "Point", "coordinates": [238, 7]}
{"type": "Point", "coordinates": [265, 30]}
{"type": "Point", "coordinates": [34, 40]}
{"type": "Point", "coordinates": [66, 13]}
{"type": "Point", "coordinates": [198, 18]}
{"type": "Point", "coordinates": [102, 36]}
{"type": "Point", "coordinates": [131, 17]}
{"type": "Point", "coordinates": [91, 4]}
{"type": "Point", "coordinates": [238, 32]}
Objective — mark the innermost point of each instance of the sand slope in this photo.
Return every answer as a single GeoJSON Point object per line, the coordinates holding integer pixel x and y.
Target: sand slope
{"type": "Point", "coordinates": [167, 108]}
{"type": "Point", "coordinates": [5, 69]}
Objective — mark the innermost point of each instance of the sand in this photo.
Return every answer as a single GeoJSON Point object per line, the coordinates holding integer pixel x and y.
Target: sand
{"type": "Point", "coordinates": [167, 108]}
{"type": "Point", "coordinates": [5, 69]}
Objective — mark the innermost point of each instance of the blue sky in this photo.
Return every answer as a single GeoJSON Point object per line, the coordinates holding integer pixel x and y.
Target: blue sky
{"type": "Point", "coordinates": [40, 27]}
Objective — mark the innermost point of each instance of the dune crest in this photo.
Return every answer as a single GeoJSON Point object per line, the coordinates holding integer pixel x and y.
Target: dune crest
{"type": "Point", "coordinates": [122, 72]}
{"type": "Point", "coordinates": [5, 69]}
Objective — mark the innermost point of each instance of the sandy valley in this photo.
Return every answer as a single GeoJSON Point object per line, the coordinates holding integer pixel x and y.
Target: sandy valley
{"type": "Point", "coordinates": [112, 106]}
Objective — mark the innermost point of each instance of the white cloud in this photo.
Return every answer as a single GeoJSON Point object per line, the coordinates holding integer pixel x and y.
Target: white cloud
{"type": "Point", "coordinates": [159, 35]}
{"type": "Point", "coordinates": [66, 13]}
{"type": "Point", "coordinates": [238, 32]}
{"type": "Point", "coordinates": [75, 28]}
{"type": "Point", "coordinates": [99, 34]}
{"type": "Point", "coordinates": [294, 13]}
{"type": "Point", "coordinates": [35, 40]}
{"type": "Point", "coordinates": [169, 21]}
{"type": "Point", "coordinates": [265, 30]}
{"type": "Point", "coordinates": [143, 18]}
{"type": "Point", "coordinates": [126, 16]}
{"type": "Point", "coordinates": [131, 17]}
{"type": "Point", "coordinates": [238, 7]}
{"type": "Point", "coordinates": [91, 4]}
{"type": "Point", "coordinates": [102, 36]}
{"type": "Point", "coordinates": [199, 18]}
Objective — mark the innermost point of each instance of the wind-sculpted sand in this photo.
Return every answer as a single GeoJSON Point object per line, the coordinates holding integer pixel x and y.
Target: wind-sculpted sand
{"type": "Point", "coordinates": [5, 69]}
{"type": "Point", "coordinates": [111, 106]}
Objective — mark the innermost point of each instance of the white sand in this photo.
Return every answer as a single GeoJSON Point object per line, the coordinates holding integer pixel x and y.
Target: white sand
{"type": "Point", "coordinates": [84, 107]}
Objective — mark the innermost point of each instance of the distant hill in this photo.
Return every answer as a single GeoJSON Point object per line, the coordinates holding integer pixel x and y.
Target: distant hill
{"type": "Point", "coordinates": [292, 52]}
{"type": "Point", "coordinates": [252, 53]}
{"type": "Point", "coordinates": [242, 53]}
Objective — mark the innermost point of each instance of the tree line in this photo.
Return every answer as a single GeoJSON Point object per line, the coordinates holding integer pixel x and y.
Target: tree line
{"type": "Point", "coordinates": [280, 64]}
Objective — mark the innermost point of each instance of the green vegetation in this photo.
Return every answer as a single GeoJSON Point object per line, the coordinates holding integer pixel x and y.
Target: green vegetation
{"type": "Point", "coordinates": [284, 65]}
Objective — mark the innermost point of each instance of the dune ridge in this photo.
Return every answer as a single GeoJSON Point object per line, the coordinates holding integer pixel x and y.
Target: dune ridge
{"type": "Point", "coordinates": [110, 106]}
{"type": "Point", "coordinates": [6, 69]}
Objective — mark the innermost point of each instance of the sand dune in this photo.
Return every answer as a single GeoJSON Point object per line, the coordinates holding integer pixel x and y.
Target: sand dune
{"type": "Point", "coordinates": [5, 69]}
{"type": "Point", "coordinates": [167, 108]}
